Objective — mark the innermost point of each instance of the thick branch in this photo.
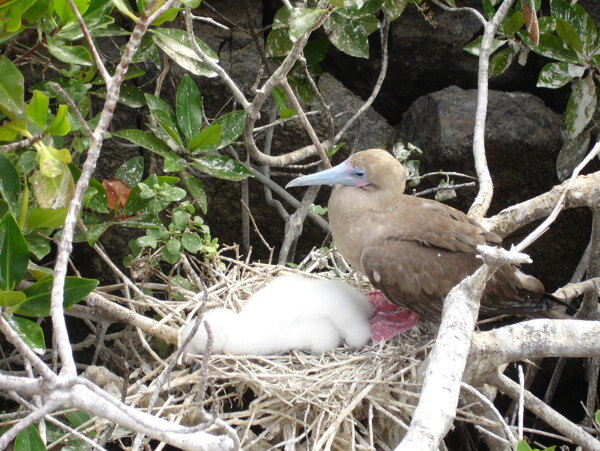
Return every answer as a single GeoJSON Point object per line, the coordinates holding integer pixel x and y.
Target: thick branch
{"type": "Point", "coordinates": [582, 191]}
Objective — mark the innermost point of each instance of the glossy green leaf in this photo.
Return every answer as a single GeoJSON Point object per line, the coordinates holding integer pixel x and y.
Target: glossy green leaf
{"type": "Point", "coordinates": [77, 418]}
{"type": "Point", "coordinates": [12, 101]}
{"type": "Point", "coordinates": [188, 108]}
{"type": "Point", "coordinates": [232, 126]}
{"type": "Point", "coordinates": [394, 8]}
{"type": "Point", "coordinates": [173, 162]}
{"type": "Point", "coordinates": [131, 172]}
{"type": "Point", "coordinates": [556, 75]}
{"type": "Point", "coordinates": [302, 19]}
{"type": "Point", "coordinates": [191, 242]}
{"type": "Point", "coordinates": [38, 245]}
{"type": "Point", "coordinates": [474, 47]}
{"type": "Point", "coordinates": [12, 13]}
{"type": "Point", "coordinates": [95, 231]}
{"type": "Point", "coordinates": [60, 125]}
{"type": "Point", "coordinates": [175, 44]}
{"type": "Point", "coordinates": [31, 333]}
{"type": "Point", "coordinates": [570, 155]}
{"type": "Point", "coordinates": [196, 189]}
{"type": "Point", "coordinates": [191, 3]}
{"type": "Point", "coordinates": [522, 445]}
{"type": "Point", "coordinates": [11, 298]}
{"type": "Point", "coordinates": [71, 54]}
{"type": "Point", "coordinates": [14, 254]}
{"type": "Point", "coordinates": [278, 40]}
{"type": "Point", "coordinates": [360, 8]}
{"type": "Point", "coordinates": [513, 23]}
{"type": "Point", "coordinates": [315, 51]}
{"type": "Point", "coordinates": [29, 440]}
{"type": "Point", "coordinates": [53, 192]}
{"type": "Point", "coordinates": [210, 136]}
{"type": "Point", "coordinates": [123, 7]}
{"type": "Point", "coordinates": [64, 12]}
{"type": "Point", "coordinates": [500, 61]}
{"type": "Point", "coordinates": [221, 167]}
{"type": "Point", "coordinates": [46, 218]}
{"type": "Point", "coordinates": [551, 46]}
{"type": "Point", "coordinates": [165, 122]}
{"type": "Point", "coordinates": [37, 109]}
{"type": "Point", "coordinates": [180, 220]}
{"type": "Point", "coordinates": [580, 107]}
{"type": "Point", "coordinates": [169, 257]}
{"type": "Point", "coordinates": [174, 245]}
{"type": "Point", "coordinates": [597, 417]}
{"type": "Point", "coordinates": [39, 294]}
{"type": "Point", "coordinates": [169, 15]}
{"type": "Point", "coordinates": [11, 130]}
{"type": "Point", "coordinates": [568, 34]}
{"type": "Point", "coordinates": [156, 103]}
{"type": "Point", "coordinates": [351, 35]}
{"type": "Point", "coordinates": [143, 139]}
{"type": "Point", "coordinates": [10, 184]}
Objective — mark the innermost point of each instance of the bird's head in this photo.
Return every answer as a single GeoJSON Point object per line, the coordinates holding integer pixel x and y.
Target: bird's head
{"type": "Point", "coordinates": [372, 169]}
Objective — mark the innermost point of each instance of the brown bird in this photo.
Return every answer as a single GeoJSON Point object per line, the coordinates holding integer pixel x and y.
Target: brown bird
{"type": "Point", "coordinates": [413, 249]}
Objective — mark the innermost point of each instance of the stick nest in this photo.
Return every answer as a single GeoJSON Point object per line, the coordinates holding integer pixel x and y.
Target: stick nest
{"type": "Point", "coordinates": [344, 399]}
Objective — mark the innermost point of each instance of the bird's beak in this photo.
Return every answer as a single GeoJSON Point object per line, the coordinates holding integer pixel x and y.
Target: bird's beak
{"type": "Point", "coordinates": [337, 175]}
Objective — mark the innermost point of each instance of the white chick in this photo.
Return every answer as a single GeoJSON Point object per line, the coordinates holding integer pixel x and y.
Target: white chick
{"type": "Point", "coordinates": [291, 312]}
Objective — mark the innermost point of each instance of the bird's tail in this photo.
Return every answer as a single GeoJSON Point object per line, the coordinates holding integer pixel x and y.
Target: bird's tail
{"type": "Point", "coordinates": [554, 312]}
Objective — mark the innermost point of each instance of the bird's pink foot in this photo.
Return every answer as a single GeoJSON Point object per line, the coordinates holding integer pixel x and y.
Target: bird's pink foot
{"type": "Point", "coordinates": [388, 320]}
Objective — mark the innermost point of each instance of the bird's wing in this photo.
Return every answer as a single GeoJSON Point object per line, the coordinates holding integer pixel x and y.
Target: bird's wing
{"type": "Point", "coordinates": [415, 275]}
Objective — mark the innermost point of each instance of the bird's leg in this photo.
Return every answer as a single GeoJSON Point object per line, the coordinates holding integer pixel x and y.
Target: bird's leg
{"type": "Point", "coordinates": [388, 320]}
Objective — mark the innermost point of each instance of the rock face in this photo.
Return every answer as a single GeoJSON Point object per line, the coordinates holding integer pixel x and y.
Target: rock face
{"type": "Point", "coordinates": [521, 132]}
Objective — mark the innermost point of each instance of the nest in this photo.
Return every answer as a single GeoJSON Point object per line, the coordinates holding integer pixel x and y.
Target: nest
{"type": "Point", "coordinates": [344, 399]}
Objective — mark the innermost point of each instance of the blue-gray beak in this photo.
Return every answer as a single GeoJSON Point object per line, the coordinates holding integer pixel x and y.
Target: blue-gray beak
{"type": "Point", "coordinates": [342, 174]}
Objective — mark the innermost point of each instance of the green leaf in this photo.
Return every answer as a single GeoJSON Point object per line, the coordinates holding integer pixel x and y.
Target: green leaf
{"type": "Point", "coordinates": [144, 139]}
{"type": "Point", "coordinates": [278, 41]}
{"type": "Point", "coordinates": [175, 44]}
{"type": "Point", "coordinates": [232, 126]}
{"type": "Point", "coordinates": [571, 154]}
{"type": "Point", "coordinates": [210, 136]}
{"type": "Point", "coordinates": [12, 100]}
{"type": "Point", "coordinates": [123, 7]}
{"type": "Point", "coordinates": [580, 107]}
{"type": "Point", "coordinates": [53, 192]}
{"type": "Point", "coordinates": [180, 220]}
{"type": "Point", "coordinates": [196, 190]}
{"type": "Point", "coordinates": [513, 23]}
{"type": "Point", "coordinates": [60, 125]}
{"type": "Point", "coordinates": [174, 245]}
{"type": "Point", "coordinates": [522, 445]}
{"type": "Point", "coordinates": [95, 231]}
{"type": "Point", "coordinates": [280, 102]}
{"type": "Point", "coordinates": [167, 16]}
{"type": "Point", "coordinates": [568, 34]}
{"type": "Point", "coordinates": [131, 172]}
{"type": "Point", "coordinates": [173, 162]}
{"type": "Point", "coordinates": [46, 218]}
{"type": "Point", "coordinates": [556, 75]}
{"type": "Point", "coordinates": [597, 417]}
{"type": "Point", "coordinates": [165, 122]}
{"type": "Point", "coordinates": [551, 46]}
{"type": "Point", "coordinates": [64, 12]}
{"type": "Point", "coordinates": [156, 103]}
{"type": "Point", "coordinates": [169, 257]}
{"type": "Point", "coordinates": [474, 46]}
{"type": "Point", "coordinates": [191, 242]}
{"type": "Point", "coordinates": [77, 418]}
{"type": "Point", "coordinates": [301, 21]}
{"type": "Point", "coordinates": [14, 254]}
{"type": "Point", "coordinates": [501, 61]}
{"type": "Point", "coordinates": [11, 298]}
{"type": "Point", "coordinates": [29, 440]}
{"type": "Point", "coordinates": [71, 54]}
{"type": "Point", "coordinates": [191, 3]}
{"type": "Point", "coordinates": [221, 167]}
{"type": "Point", "coordinates": [38, 245]}
{"type": "Point", "coordinates": [10, 185]}
{"type": "Point", "coordinates": [394, 8]}
{"type": "Point", "coordinates": [188, 108]}
{"type": "Point", "coordinates": [38, 295]}
{"type": "Point", "coordinates": [37, 109]}
{"type": "Point", "coordinates": [31, 333]}
{"type": "Point", "coordinates": [351, 35]}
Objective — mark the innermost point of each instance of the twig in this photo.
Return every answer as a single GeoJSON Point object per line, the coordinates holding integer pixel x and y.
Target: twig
{"type": "Point", "coordinates": [546, 413]}
{"type": "Point", "coordinates": [20, 144]}
{"type": "Point", "coordinates": [486, 188]}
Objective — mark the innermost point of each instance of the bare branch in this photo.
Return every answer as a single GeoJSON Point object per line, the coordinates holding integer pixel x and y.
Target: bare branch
{"type": "Point", "coordinates": [486, 187]}
{"type": "Point", "coordinates": [547, 414]}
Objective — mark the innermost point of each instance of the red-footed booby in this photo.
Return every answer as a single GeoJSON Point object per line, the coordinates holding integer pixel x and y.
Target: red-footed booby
{"type": "Point", "coordinates": [413, 249]}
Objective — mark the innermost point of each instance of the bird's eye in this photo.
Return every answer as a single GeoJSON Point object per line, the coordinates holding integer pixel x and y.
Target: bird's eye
{"type": "Point", "coordinates": [359, 173]}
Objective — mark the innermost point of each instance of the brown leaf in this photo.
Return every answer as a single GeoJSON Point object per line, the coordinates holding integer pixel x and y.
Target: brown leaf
{"type": "Point", "coordinates": [531, 21]}
{"type": "Point", "coordinates": [117, 193]}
